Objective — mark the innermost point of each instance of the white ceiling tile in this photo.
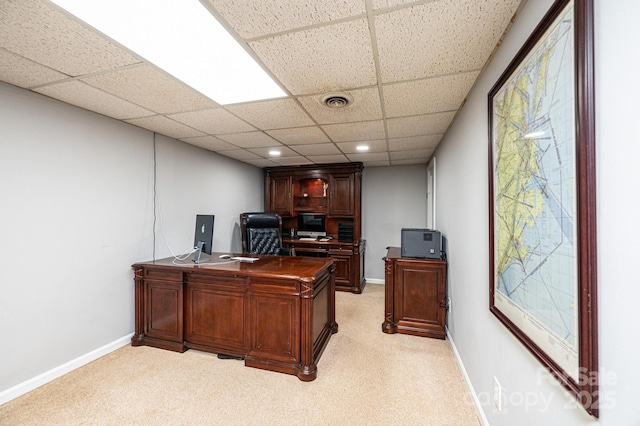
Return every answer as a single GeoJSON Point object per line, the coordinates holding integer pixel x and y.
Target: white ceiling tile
{"type": "Point", "coordinates": [261, 162]}
{"type": "Point", "coordinates": [299, 135]}
{"type": "Point", "coordinates": [446, 36]}
{"type": "Point", "coordinates": [77, 93]}
{"type": "Point", "coordinates": [292, 161]}
{"type": "Point", "coordinates": [311, 47]}
{"type": "Point", "coordinates": [49, 36]}
{"type": "Point", "coordinates": [376, 163]}
{"type": "Point", "coordinates": [414, 142]}
{"type": "Point", "coordinates": [327, 159]}
{"type": "Point", "coordinates": [272, 114]}
{"type": "Point", "coordinates": [319, 60]}
{"type": "Point", "coordinates": [209, 142]}
{"type": "Point", "coordinates": [250, 140]}
{"type": "Point", "coordinates": [352, 147]}
{"type": "Point", "coordinates": [370, 156]}
{"type": "Point", "coordinates": [214, 121]}
{"type": "Point", "coordinates": [23, 72]}
{"type": "Point", "coordinates": [426, 96]}
{"type": "Point", "coordinates": [384, 4]}
{"type": "Point", "coordinates": [150, 88]}
{"type": "Point", "coordinates": [241, 154]}
{"type": "Point", "coordinates": [365, 106]}
{"type": "Point", "coordinates": [165, 126]}
{"type": "Point", "coordinates": [265, 152]}
{"type": "Point", "coordinates": [419, 124]}
{"type": "Point", "coordinates": [362, 131]}
{"type": "Point", "coordinates": [412, 155]}
{"type": "Point", "coordinates": [252, 18]}
{"type": "Point", "coordinates": [317, 149]}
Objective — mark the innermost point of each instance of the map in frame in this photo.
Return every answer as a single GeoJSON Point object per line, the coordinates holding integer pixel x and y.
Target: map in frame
{"type": "Point", "coordinates": [534, 196]}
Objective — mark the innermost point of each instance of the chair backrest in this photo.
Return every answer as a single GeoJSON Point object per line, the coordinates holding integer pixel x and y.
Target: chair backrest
{"type": "Point", "coordinates": [261, 233]}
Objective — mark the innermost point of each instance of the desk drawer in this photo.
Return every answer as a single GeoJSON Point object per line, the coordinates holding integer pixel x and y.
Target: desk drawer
{"type": "Point", "coordinates": [162, 274]}
{"type": "Point", "coordinates": [273, 286]}
{"type": "Point", "coordinates": [311, 252]}
{"type": "Point", "coordinates": [340, 252]}
{"type": "Point", "coordinates": [217, 280]}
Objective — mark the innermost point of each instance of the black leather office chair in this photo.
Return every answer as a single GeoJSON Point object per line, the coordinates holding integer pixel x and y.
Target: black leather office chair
{"type": "Point", "coordinates": [262, 234]}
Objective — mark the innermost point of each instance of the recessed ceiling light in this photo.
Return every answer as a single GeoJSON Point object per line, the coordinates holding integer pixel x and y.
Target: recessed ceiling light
{"type": "Point", "coordinates": [362, 147]}
{"type": "Point", "coordinates": [184, 39]}
{"type": "Point", "coordinates": [274, 153]}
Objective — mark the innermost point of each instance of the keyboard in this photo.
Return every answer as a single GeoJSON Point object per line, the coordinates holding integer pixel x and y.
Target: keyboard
{"type": "Point", "coordinates": [245, 259]}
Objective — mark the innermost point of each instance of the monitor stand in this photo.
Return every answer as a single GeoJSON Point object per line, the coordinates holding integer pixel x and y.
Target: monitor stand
{"type": "Point", "coordinates": [196, 256]}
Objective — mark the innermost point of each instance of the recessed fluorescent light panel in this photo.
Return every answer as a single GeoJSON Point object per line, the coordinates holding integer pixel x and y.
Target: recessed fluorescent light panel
{"type": "Point", "coordinates": [184, 39]}
{"type": "Point", "coordinates": [362, 148]}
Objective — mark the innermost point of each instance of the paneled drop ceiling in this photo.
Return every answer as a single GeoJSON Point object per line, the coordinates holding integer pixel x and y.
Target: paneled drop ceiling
{"type": "Point", "coordinates": [407, 65]}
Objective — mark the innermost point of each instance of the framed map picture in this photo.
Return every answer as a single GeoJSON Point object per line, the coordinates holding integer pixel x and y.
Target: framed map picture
{"type": "Point", "coordinates": [542, 198]}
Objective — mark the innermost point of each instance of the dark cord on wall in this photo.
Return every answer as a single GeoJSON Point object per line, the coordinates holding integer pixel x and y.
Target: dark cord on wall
{"type": "Point", "coordinates": [155, 178]}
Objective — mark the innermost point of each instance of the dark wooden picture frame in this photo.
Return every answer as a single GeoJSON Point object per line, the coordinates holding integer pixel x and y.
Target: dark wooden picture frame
{"type": "Point", "coordinates": [582, 381]}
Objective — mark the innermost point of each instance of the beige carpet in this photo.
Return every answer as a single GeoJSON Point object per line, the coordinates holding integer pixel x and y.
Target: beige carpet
{"type": "Point", "coordinates": [365, 377]}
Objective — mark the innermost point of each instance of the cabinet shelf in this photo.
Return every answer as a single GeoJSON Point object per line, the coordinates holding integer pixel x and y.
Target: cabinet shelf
{"type": "Point", "coordinates": [310, 194]}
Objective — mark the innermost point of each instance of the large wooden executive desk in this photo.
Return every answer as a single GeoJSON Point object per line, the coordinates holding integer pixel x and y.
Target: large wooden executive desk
{"type": "Point", "coordinates": [277, 313]}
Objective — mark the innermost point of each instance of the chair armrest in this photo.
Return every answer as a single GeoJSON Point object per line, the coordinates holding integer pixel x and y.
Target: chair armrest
{"type": "Point", "coordinates": [284, 251]}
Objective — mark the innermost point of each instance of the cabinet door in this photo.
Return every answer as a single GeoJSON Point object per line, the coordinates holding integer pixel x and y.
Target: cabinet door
{"type": "Point", "coordinates": [343, 260]}
{"type": "Point", "coordinates": [342, 195]}
{"type": "Point", "coordinates": [275, 327]}
{"type": "Point", "coordinates": [215, 316]}
{"type": "Point", "coordinates": [419, 299]}
{"type": "Point", "coordinates": [163, 310]}
{"type": "Point", "coordinates": [279, 196]}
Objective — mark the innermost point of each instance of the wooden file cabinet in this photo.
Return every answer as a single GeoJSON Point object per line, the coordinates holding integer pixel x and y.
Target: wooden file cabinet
{"type": "Point", "coordinates": [415, 295]}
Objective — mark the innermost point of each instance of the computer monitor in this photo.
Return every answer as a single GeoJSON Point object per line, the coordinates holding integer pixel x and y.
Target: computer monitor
{"type": "Point", "coordinates": [311, 225]}
{"type": "Point", "coordinates": [203, 240]}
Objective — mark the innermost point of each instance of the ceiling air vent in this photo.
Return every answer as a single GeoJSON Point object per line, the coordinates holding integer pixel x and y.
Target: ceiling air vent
{"type": "Point", "coordinates": [336, 100]}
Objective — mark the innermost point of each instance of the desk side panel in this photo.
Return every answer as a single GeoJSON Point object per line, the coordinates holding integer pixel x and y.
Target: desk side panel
{"type": "Point", "coordinates": [274, 320]}
{"type": "Point", "coordinates": [159, 312]}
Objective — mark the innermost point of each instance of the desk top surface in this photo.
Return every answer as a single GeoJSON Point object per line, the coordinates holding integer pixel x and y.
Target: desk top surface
{"type": "Point", "coordinates": [299, 268]}
{"type": "Point", "coordinates": [396, 253]}
{"type": "Point", "coordinates": [321, 241]}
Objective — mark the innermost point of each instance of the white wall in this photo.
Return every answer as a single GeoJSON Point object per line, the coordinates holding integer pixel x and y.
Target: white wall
{"type": "Point", "coordinates": [77, 212]}
{"type": "Point", "coordinates": [192, 181]}
{"type": "Point", "coordinates": [485, 346]}
{"type": "Point", "coordinates": [392, 198]}
{"type": "Point", "coordinates": [618, 151]}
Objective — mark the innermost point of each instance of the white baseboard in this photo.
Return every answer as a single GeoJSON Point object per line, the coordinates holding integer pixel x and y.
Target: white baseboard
{"type": "Point", "coordinates": [54, 373]}
{"type": "Point", "coordinates": [374, 281]}
{"type": "Point", "coordinates": [476, 401]}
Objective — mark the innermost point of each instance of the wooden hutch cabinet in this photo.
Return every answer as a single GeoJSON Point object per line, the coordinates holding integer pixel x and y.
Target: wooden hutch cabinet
{"type": "Point", "coordinates": [415, 295]}
{"type": "Point", "coordinates": [331, 190]}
